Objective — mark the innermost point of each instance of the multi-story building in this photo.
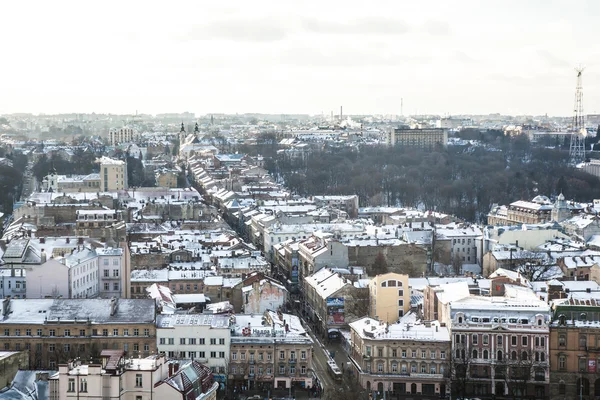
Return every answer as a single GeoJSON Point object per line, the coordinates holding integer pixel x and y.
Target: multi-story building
{"type": "Point", "coordinates": [72, 276]}
{"type": "Point", "coordinates": [166, 177]}
{"type": "Point", "coordinates": [389, 297]}
{"type": "Point", "coordinates": [426, 138]}
{"type": "Point", "coordinates": [56, 330]}
{"type": "Point", "coordinates": [259, 293]}
{"type": "Point", "coordinates": [120, 377]}
{"type": "Point", "coordinates": [411, 357]}
{"type": "Point", "coordinates": [575, 348]}
{"type": "Point", "coordinates": [204, 338]}
{"type": "Point", "coordinates": [537, 211]}
{"type": "Point", "coordinates": [270, 351]}
{"type": "Point", "coordinates": [113, 272]}
{"type": "Point", "coordinates": [113, 174]}
{"type": "Point", "coordinates": [118, 136]}
{"type": "Point", "coordinates": [500, 345]}
{"type": "Point", "coordinates": [96, 218]}
{"type": "Point", "coordinates": [331, 300]}
{"type": "Point", "coordinates": [13, 283]}
{"type": "Point", "coordinates": [348, 203]}
{"type": "Point", "coordinates": [465, 242]}
{"type": "Point", "coordinates": [319, 251]}
{"type": "Point", "coordinates": [71, 183]}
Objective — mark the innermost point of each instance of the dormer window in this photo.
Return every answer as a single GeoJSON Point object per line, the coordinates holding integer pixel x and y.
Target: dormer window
{"type": "Point", "coordinates": [583, 317]}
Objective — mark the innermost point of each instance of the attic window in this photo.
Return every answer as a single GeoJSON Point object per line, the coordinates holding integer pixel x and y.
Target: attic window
{"type": "Point", "coordinates": [383, 284]}
{"type": "Point", "coordinates": [474, 319]}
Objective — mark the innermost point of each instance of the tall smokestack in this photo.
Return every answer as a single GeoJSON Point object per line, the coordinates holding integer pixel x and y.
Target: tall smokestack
{"type": "Point", "coordinates": [341, 113]}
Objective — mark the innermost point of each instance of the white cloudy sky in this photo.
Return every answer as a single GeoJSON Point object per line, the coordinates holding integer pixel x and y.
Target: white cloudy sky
{"type": "Point", "coordinates": [441, 57]}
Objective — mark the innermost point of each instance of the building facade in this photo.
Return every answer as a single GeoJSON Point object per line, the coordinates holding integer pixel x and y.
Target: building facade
{"type": "Point", "coordinates": [204, 338]}
{"type": "Point", "coordinates": [405, 359]}
{"type": "Point", "coordinates": [117, 136]}
{"type": "Point", "coordinates": [500, 346]}
{"type": "Point", "coordinates": [575, 349]}
{"type": "Point", "coordinates": [426, 138]}
{"type": "Point", "coordinates": [56, 330]}
{"type": "Point", "coordinates": [276, 354]}
{"type": "Point", "coordinates": [113, 174]}
{"type": "Point", "coordinates": [389, 297]}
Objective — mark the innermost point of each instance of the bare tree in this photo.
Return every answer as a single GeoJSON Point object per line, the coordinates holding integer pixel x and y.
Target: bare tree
{"type": "Point", "coordinates": [519, 368]}
{"type": "Point", "coordinates": [457, 263]}
{"type": "Point", "coordinates": [460, 365]}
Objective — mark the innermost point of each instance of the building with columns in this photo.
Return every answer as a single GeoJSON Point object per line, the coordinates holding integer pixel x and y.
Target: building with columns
{"type": "Point", "coordinates": [500, 345]}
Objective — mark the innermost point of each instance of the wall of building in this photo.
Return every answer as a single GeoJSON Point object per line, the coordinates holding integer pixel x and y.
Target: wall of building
{"type": "Point", "coordinates": [396, 256]}
{"type": "Point", "coordinates": [49, 280]}
{"type": "Point", "coordinates": [391, 302]}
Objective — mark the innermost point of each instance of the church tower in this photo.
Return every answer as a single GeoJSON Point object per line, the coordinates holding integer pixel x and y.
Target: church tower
{"type": "Point", "coordinates": [560, 211]}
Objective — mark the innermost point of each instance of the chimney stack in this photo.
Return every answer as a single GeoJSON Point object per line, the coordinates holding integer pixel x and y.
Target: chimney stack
{"type": "Point", "coordinates": [114, 302]}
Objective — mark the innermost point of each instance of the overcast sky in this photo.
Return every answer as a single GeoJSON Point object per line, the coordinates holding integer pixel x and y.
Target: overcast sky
{"type": "Point", "coordinates": [514, 57]}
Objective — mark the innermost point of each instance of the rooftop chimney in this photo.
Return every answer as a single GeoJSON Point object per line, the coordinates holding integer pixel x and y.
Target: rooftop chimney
{"type": "Point", "coordinates": [114, 302]}
{"type": "Point", "coordinates": [175, 368]}
{"type": "Point", "coordinates": [6, 306]}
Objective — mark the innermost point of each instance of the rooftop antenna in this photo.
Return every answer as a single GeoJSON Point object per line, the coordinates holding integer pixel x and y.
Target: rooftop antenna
{"type": "Point", "coordinates": [578, 133]}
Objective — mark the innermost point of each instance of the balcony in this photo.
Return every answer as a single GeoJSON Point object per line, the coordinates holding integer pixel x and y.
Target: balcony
{"type": "Point", "coordinates": [367, 357]}
{"type": "Point", "coordinates": [292, 361]}
{"type": "Point", "coordinates": [251, 362]}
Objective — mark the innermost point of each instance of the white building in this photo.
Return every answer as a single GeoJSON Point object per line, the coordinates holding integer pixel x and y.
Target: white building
{"type": "Point", "coordinates": [122, 378]}
{"type": "Point", "coordinates": [466, 242]}
{"type": "Point", "coordinates": [72, 276]}
{"type": "Point", "coordinates": [13, 283]}
{"type": "Point", "coordinates": [118, 136]}
{"type": "Point", "coordinates": [201, 337]}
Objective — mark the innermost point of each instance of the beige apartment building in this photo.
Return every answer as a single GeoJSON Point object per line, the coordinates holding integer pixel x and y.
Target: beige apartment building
{"type": "Point", "coordinates": [113, 174]}
{"type": "Point", "coordinates": [54, 331]}
{"type": "Point", "coordinates": [411, 357]}
{"type": "Point", "coordinates": [389, 297]}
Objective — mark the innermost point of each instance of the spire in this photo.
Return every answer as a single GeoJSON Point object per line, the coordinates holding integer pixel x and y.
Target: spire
{"type": "Point", "coordinates": [182, 127]}
{"type": "Point", "coordinates": [196, 129]}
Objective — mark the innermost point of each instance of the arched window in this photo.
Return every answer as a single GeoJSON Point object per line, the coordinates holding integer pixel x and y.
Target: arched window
{"type": "Point", "coordinates": [460, 319]}
{"type": "Point", "coordinates": [562, 320]}
{"type": "Point", "coordinates": [537, 356]}
{"type": "Point", "coordinates": [542, 356]}
{"type": "Point", "coordinates": [475, 355]}
{"type": "Point", "coordinates": [513, 355]}
{"type": "Point", "coordinates": [597, 388]}
{"type": "Point", "coordinates": [486, 355]}
{"type": "Point", "coordinates": [524, 356]}
{"type": "Point", "coordinates": [562, 389]}
{"type": "Point", "coordinates": [499, 355]}
{"type": "Point", "coordinates": [400, 283]}
{"type": "Point", "coordinates": [384, 284]}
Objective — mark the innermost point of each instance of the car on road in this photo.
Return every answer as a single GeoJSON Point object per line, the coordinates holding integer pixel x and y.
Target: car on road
{"type": "Point", "coordinates": [255, 397]}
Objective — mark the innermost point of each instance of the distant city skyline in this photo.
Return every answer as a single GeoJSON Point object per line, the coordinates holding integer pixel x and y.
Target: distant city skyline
{"type": "Point", "coordinates": [466, 57]}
